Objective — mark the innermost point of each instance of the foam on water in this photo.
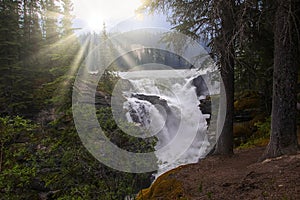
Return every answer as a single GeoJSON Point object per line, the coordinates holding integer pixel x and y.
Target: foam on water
{"type": "Point", "coordinates": [181, 128]}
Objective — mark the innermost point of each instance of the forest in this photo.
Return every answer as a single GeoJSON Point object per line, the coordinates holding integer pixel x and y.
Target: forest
{"type": "Point", "coordinates": [255, 44]}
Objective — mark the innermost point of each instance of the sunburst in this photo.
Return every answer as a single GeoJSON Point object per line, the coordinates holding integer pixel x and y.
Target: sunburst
{"type": "Point", "coordinates": [94, 12]}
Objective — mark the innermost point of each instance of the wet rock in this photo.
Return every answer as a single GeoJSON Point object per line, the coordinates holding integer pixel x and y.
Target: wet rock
{"type": "Point", "coordinates": [201, 87]}
{"type": "Point", "coordinates": [205, 105]}
{"type": "Point", "coordinates": [155, 100]}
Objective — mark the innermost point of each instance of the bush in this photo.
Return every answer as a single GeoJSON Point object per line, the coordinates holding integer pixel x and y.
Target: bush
{"type": "Point", "coordinates": [262, 135]}
{"type": "Point", "coordinates": [17, 160]}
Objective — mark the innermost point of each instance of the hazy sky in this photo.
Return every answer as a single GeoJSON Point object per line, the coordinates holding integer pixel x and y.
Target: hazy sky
{"type": "Point", "coordinates": [90, 15]}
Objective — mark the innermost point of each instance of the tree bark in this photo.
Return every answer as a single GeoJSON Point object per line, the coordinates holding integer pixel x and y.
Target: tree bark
{"type": "Point", "coordinates": [283, 139]}
{"type": "Point", "coordinates": [224, 144]}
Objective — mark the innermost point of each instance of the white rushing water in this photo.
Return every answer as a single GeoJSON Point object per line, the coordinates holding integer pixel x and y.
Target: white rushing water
{"type": "Point", "coordinates": [174, 118]}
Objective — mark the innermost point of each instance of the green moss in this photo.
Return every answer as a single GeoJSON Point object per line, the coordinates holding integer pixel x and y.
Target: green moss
{"type": "Point", "coordinates": [241, 129]}
{"type": "Point", "coordinates": [165, 187]}
{"type": "Point", "coordinates": [260, 137]}
{"type": "Point", "coordinates": [247, 99]}
{"type": "Point", "coordinates": [245, 131]}
{"type": "Point", "coordinates": [246, 103]}
{"type": "Point", "coordinates": [248, 133]}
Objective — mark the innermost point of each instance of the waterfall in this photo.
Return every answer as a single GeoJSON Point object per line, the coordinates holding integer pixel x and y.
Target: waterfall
{"type": "Point", "coordinates": [166, 103]}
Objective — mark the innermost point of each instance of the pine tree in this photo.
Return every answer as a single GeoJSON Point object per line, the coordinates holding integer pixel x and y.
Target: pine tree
{"type": "Point", "coordinates": [31, 30]}
{"type": "Point", "coordinates": [213, 21]}
{"type": "Point", "coordinates": [283, 138]}
{"type": "Point", "coordinates": [66, 21]}
{"type": "Point", "coordinates": [50, 21]}
{"type": "Point", "coordinates": [9, 56]}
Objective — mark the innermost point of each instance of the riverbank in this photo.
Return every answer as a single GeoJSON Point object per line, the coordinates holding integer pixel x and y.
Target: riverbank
{"type": "Point", "coordinates": [236, 177]}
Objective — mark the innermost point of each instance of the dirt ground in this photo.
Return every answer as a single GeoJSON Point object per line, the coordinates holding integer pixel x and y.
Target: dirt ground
{"type": "Point", "coordinates": [238, 177]}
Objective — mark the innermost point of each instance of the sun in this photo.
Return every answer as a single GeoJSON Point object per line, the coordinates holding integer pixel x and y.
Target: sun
{"type": "Point", "coordinates": [94, 12]}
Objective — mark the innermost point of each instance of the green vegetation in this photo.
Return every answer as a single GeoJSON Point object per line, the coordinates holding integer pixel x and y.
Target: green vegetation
{"type": "Point", "coordinates": [260, 137]}
{"type": "Point", "coordinates": [54, 163]}
{"type": "Point", "coordinates": [254, 52]}
{"type": "Point", "coordinates": [114, 132]}
{"type": "Point", "coordinates": [18, 165]}
{"type": "Point", "coordinates": [250, 114]}
{"type": "Point", "coordinates": [41, 155]}
{"type": "Point", "coordinates": [165, 187]}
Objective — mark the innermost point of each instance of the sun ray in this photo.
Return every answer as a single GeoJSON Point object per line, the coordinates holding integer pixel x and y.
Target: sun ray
{"type": "Point", "coordinates": [63, 89]}
{"type": "Point", "coordinates": [95, 12]}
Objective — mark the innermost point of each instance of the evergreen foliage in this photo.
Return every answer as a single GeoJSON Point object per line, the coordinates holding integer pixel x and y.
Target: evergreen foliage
{"type": "Point", "coordinates": [243, 36]}
{"type": "Point", "coordinates": [44, 158]}
{"type": "Point", "coordinates": [41, 156]}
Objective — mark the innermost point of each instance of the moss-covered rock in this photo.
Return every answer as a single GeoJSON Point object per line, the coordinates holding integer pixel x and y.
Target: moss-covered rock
{"type": "Point", "coordinates": [166, 187]}
{"type": "Point", "coordinates": [247, 101]}
{"type": "Point", "coordinates": [248, 112]}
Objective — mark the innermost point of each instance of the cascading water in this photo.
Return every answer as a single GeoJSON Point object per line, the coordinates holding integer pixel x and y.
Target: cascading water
{"type": "Point", "coordinates": [166, 103]}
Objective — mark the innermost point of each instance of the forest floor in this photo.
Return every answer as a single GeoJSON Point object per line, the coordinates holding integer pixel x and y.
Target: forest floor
{"type": "Point", "coordinates": [240, 176]}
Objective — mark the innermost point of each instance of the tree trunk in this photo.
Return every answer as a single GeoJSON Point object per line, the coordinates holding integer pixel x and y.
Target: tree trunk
{"type": "Point", "coordinates": [224, 144]}
{"type": "Point", "coordinates": [283, 139]}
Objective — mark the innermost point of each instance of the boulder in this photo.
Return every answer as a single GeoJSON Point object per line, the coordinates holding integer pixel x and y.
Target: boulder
{"type": "Point", "coordinates": [201, 87]}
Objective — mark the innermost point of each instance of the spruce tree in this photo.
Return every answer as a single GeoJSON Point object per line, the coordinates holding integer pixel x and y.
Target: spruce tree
{"type": "Point", "coordinates": [9, 57]}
